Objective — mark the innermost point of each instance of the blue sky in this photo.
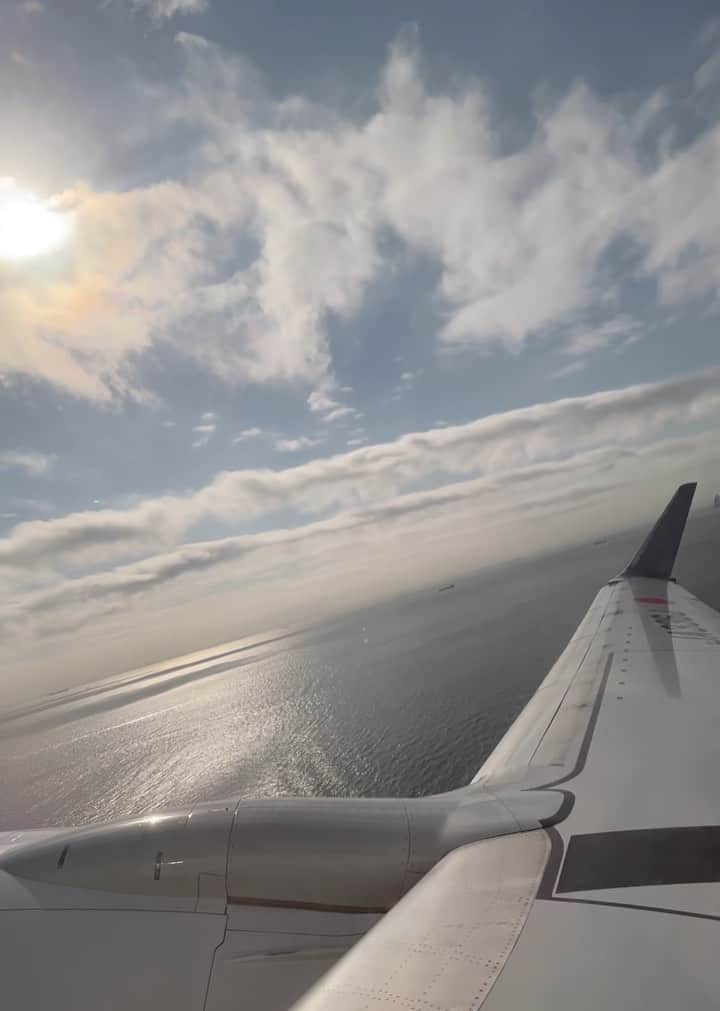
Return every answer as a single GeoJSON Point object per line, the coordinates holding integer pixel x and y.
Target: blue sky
{"type": "Point", "coordinates": [315, 260]}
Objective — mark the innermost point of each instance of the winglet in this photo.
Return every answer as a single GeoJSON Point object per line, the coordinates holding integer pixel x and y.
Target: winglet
{"type": "Point", "coordinates": [656, 557]}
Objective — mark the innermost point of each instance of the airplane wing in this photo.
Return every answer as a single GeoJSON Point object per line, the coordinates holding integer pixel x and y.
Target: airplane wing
{"type": "Point", "coordinates": [615, 901]}
{"type": "Point", "coordinates": [580, 868]}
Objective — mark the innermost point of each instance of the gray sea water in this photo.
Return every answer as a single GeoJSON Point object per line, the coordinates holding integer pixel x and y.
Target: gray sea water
{"type": "Point", "coordinates": [406, 697]}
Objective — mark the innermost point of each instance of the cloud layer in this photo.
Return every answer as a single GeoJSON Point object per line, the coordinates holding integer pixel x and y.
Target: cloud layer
{"type": "Point", "coordinates": [373, 474]}
{"type": "Point", "coordinates": [454, 528]}
{"type": "Point", "coordinates": [257, 250]}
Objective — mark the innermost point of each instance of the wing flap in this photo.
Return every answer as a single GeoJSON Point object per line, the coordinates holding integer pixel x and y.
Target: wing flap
{"type": "Point", "coordinates": [444, 945]}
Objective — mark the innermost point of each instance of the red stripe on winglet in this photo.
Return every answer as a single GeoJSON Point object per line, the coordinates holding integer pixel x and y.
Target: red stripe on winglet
{"type": "Point", "coordinates": [651, 600]}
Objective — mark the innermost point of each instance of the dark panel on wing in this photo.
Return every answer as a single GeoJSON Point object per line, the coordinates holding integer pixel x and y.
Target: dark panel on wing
{"type": "Point", "coordinates": [657, 856]}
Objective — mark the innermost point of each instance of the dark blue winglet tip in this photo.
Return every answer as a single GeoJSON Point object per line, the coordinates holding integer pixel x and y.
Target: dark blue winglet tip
{"type": "Point", "coordinates": [656, 557]}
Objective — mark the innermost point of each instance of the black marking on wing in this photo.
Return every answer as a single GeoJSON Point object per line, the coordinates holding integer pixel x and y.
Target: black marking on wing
{"type": "Point", "coordinates": [632, 859]}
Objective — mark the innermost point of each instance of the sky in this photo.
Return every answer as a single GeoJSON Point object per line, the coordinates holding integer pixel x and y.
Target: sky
{"type": "Point", "coordinates": [302, 305]}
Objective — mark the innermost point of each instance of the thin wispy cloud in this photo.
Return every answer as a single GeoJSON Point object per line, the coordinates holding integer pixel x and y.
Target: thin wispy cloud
{"type": "Point", "coordinates": [205, 430]}
{"type": "Point", "coordinates": [322, 401]}
{"type": "Point", "coordinates": [33, 464]}
{"type": "Point", "coordinates": [162, 10]}
{"type": "Point", "coordinates": [571, 369]}
{"type": "Point", "coordinates": [248, 433]}
{"type": "Point", "coordinates": [341, 412]}
{"type": "Point", "coordinates": [203, 434]}
{"type": "Point", "coordinates": [618, 332]}
{"type": "Point", "coordinates": [296, 445]}
{"type": "Point", "coordinates": [405, 383]}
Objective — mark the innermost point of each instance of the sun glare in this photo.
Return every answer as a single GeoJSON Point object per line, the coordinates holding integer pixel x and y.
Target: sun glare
{"type": "Point", "coordinates": [28, 226]}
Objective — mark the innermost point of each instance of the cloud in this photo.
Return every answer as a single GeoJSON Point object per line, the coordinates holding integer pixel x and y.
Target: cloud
{"type": "Point", "coordinates": [248, 433]}
{"type": "Point", "coordinates": [78, 325]}
{"type": "Point", "coordinates": [405, 384]}
{"type": "Point", "coordinates": [296, 445]}
{"type": "Point", "coordinates": [708, 74]}
{"type": "Point", "coordinates": [322, 401]}
{"type": "Point", "coordinates": [262, 254]}
{"type": "Point", "coordinates": [484, 518]}
{"type": "Point", "coordinates": [490, 445]}
{"type": "Point", "coordinates": [342, 412]}
{"type": "Point", "coordinates": [161, 10]}
{"type": "Point", "coordinates": [205, 430]}
{"type": "Point", "coordinates": [34, 464]}
{"type": "Point", "coordinates": [571, 369]}
{"type": "Point", "coordinates": [620, 330]}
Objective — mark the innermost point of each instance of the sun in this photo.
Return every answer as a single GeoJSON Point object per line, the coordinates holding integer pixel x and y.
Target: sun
{"type": "Point", "coordinates": [28, 226]}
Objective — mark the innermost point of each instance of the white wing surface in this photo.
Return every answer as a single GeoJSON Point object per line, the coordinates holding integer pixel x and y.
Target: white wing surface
{"type": "Point", "coordinates": [615, 901]}
{"type": "Point", "coordinates": [580, 869]}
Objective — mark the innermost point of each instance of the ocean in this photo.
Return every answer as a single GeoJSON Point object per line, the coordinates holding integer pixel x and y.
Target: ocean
{"type": "Point", "coordinates": [406, 697]}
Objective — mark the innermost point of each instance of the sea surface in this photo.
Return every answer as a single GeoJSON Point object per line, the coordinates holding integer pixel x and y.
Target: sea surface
{"type": "Point", "coordinates": [403, 698]}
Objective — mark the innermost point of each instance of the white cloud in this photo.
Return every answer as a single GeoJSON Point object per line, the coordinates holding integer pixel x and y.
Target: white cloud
{"type": "Point", "coordinates": [322, 401]}
{"type": "Point", "coordinates": [342, 412]}
{"type": "Point", "coordinates": [34, 464]}
{"type": "Point", "coordinates": [77, 326]}
{"type": "Point", "coordinates": [431, 532]}
{"type": "Point", "coordinates": [620, 330]}
{"type": "Point", "coordinates": [358, 440]}
{"type": "Point", "coordinates": [248, 433]}
{"type": "Point", "coordinates": [521, 239]}
{"type": "Point", "coordinates": [161, 10]}
{"type": "Point", "coordinates": [373, 474]}
{"type": "Point", "coordinates": [405, 384]}
{"type": "Point", "coordinates": [296, 445]}
{"type": "Point", "coordinates": [203, 434]}
{"type": "Point", "coordinates": [205, 430]}
{"type": "Point", "coordinates": [571, 369]}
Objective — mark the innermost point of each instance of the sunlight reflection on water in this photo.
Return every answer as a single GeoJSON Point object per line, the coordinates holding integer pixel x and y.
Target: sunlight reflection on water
{"type": "Point", "coordinates": [405, 698]}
